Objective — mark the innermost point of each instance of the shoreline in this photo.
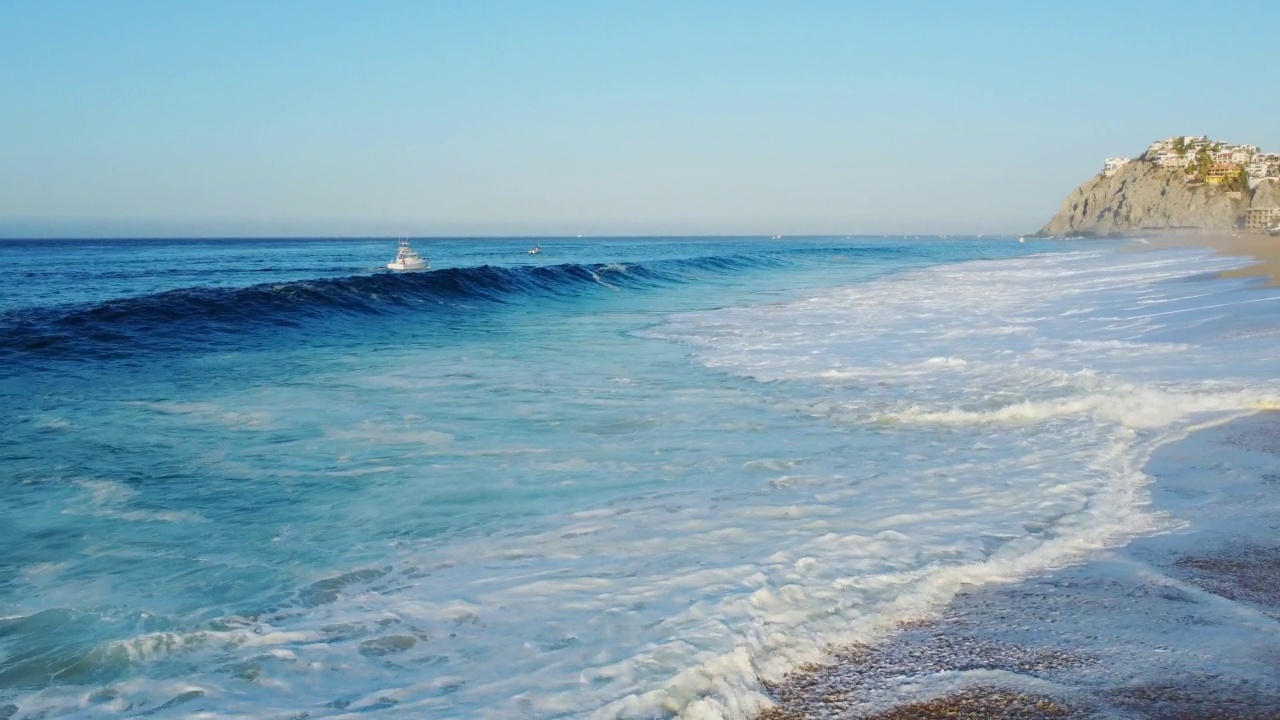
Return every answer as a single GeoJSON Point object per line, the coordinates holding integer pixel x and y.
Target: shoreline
{"type": "Point", "coordinates": [1264, 249]}
{"type": "Point", "coordinates": [1181, 624]}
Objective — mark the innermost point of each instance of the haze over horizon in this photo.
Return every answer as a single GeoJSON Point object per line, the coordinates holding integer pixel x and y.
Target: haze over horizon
{"type": "Point", "coordinates": [563, 118]}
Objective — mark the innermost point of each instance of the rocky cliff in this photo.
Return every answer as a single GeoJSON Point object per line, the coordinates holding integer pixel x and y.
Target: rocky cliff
{"type": "Point", "coordinates": [1142, 196]}
{"type": "Point", "coordinates": [1266, 195]}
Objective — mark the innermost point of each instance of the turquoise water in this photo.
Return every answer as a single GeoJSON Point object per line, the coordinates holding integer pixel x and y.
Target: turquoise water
{"type": "Point", "coordinates": [622, 478]}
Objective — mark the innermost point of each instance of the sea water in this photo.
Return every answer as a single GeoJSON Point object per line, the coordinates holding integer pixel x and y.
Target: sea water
{"type": "Point", "coordinates": [622, 478]}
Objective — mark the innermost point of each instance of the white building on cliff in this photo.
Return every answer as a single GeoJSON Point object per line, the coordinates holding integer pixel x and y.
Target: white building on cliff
{"type": "Point", "coordinates": [1263, 165]}
{"type": "Point", "coordinates": [1113, 165]}
{"type": "Point", "coordinates": [1182, 151]}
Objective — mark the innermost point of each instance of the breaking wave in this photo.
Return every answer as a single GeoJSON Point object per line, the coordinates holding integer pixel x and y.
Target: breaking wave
{"type": "Point", "coordinates": [204, 316]}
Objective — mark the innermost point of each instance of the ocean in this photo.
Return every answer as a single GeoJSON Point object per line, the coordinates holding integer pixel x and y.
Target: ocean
{"type": "Point", "coordinates": [624, 478]}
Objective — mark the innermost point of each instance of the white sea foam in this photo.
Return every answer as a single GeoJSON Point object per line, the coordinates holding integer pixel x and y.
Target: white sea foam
{"type": "Point", "coordinates": [108, 498]}
{"type": "Point", "coordinates": [1092, 405]}
{"type": "Point", "coordinates": [869, 452]}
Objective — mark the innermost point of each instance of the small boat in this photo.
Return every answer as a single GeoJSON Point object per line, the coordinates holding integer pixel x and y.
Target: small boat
{"type": "Point", "coordinates": [535, 250]}
{"type": "Point", "coordinates": [407, 260]}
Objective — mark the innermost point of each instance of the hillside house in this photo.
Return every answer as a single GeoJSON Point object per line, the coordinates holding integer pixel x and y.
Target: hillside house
{"type": "Point", "coordinates": [1221, 172]}
{"type": "Point", "coordinates": [1112, 165]}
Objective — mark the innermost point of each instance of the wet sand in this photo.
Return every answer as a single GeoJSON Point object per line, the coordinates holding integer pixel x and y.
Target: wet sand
{"type": "Point", "coordinates": [1263, 248]}
{"type": "Point", "coordinates": [1182, 625]}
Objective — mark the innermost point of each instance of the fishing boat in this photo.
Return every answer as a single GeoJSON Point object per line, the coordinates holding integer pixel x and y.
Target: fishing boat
{"type": "Point", "coordinates": [535, 250]}
{"type": "Point", "coordinates": [407, 259]}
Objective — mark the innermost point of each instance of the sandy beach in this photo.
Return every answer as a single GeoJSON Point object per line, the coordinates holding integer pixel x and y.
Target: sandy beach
{"type": "Point", "coordinates": [1263, 248]}
{"type": "Point", "coordinates": [1183, 624]}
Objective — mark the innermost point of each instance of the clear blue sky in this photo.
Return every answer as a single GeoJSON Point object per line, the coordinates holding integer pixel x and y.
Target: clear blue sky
{"type": "Point", "coordinates": [476, 117]}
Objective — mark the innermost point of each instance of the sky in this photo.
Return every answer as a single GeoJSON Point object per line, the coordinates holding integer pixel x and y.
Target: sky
{"type": "Point", "coordinates": [477, 117]}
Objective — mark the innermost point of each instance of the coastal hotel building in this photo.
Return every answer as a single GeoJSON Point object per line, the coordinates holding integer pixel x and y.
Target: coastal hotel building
{"type": "Point", "coordinates": [1261, 219]}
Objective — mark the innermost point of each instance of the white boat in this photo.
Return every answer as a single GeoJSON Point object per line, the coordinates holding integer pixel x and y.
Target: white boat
{"type": "Point", "coordinates": [407, 260]}
{"type": "Point", "coordinates": [535, 250]}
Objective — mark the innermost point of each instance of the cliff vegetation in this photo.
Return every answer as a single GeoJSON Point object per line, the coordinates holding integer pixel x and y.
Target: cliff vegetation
{"type": "Point", "coordinates": [1183, 184]}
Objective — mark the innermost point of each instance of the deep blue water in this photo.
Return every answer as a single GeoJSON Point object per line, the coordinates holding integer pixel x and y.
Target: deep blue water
{"type": "Point", "coordinates": [622, 478]}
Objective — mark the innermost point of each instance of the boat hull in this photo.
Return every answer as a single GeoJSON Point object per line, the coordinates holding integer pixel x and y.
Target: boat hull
{"type": "Point", "coordinates": [407, 266]}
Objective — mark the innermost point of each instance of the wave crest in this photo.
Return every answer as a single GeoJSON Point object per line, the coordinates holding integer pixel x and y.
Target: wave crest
{"type": "Point", "coordinates": [202, 316]}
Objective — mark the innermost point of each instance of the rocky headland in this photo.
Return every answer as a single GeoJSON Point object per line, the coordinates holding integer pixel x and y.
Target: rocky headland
{"type": "Point", "coordinates": [1186, 189]}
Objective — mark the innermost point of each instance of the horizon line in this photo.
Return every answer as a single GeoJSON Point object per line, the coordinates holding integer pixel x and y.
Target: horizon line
{"type": "Point", "coordinates": [584, 236]}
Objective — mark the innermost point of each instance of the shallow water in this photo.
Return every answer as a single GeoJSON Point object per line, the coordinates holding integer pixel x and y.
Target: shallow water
{"type": "Point", "coordinates": [617, 479]}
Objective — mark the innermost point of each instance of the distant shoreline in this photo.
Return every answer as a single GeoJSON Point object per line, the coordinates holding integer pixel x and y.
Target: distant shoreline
{"type": "Point", "coordinates": [1265, 249]}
